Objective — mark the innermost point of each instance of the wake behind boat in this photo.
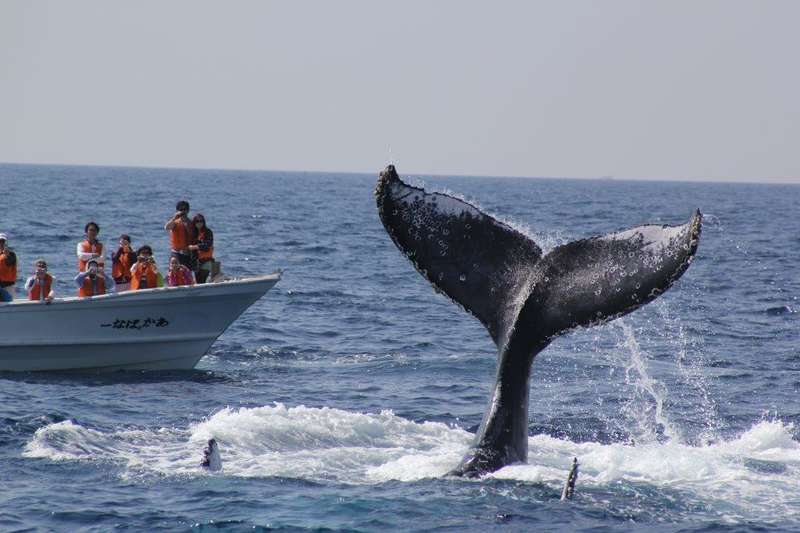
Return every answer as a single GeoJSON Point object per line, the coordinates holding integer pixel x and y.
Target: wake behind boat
{"type": "Point", "coordinates": [165, 328]}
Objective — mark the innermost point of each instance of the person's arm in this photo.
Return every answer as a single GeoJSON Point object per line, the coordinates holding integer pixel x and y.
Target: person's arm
{"type": "Point", "coordinates": [111, 285]}
{"type": "Point", "coordinates": [52, 289]}
{"type": "Point", "coordinates": [79, 279]}
{"type": "Point", "coordinates": [206, 243]}
{"type": "Point", "coordinates": [29, 283]}
{"type": "Point", "coordinates": [174, 220]}
{"type": "Point", "coordinates": [84, 256]}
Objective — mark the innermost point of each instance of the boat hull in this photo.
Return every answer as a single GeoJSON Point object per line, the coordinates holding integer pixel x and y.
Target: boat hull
{"type": "Point", "coordinates": [167, 328]}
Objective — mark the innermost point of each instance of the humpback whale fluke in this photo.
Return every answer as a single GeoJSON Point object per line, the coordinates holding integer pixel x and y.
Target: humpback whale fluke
{"type": "Point", "coordinates": [522, 297]}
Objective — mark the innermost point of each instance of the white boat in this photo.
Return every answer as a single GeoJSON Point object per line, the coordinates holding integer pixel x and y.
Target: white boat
{"type": "Point", "coordinates": [153, 329]}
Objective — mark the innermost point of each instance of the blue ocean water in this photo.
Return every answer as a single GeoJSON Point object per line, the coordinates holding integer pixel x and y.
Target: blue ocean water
{"type": "Point", "coordinates": [342, 397]}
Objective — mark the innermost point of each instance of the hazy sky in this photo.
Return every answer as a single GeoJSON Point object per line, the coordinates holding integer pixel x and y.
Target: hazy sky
{"type": "Point", "coordinates": [634, 89]}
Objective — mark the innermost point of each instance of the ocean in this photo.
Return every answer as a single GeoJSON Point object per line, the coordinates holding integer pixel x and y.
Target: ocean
{"type": "Point", "coordinates": [342, 398]}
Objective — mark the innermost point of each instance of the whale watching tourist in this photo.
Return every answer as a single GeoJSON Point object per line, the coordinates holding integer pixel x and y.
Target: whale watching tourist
{"type": "Point", "coordinates": [8, 270]}
{"type": "Point", "coordinates": [90, 247]}
{"type": "Point", "coordinates": [144, 273]}
{"type": "Point", "coordinates": [178, 274]}
{"type": "Point", "coordinates": [203, 246]}
{"type": "Point", "coordinates": [93, 281]}
{"type": "Point", "coordinates": [121, 262]}
{"type": "Point", "coordinates": [181, 233]}
{"type": "Point", "coordinates": [40, 286]}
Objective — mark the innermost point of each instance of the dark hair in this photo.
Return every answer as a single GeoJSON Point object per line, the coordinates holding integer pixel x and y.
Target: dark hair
{"type": "Point", "coordinates": [92, 223]}
{"type": "Point", "coordinates": [145, 248]}
{"type": "Point", "coordinates": [182, 205]}
{"type": "Point", "coordinates": [126, 237]}
{"type": "Point", "coordinates": [198, 218]}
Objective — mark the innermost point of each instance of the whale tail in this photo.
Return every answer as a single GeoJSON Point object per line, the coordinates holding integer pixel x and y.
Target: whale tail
{"type": "Point", "coordinates": [523, 297]}
{"type": "Point", "coordinates": [492, 270]}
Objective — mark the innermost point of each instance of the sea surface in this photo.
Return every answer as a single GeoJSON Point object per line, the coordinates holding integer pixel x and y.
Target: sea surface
{"type": "Point", "coordinates": [342, 398]}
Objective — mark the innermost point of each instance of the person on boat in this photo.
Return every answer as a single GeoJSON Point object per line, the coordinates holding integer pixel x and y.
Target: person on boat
{"type": "Point", "coordinates": [203, 246]}
{"type": "Point", "coordinates": [41, 286]}
{"type": "Point", "coordinates": [90, 247]}
{"type": "Point", "coordinates": [181, 234]}
{"type": "Point", "coordinates": [121, 262]}
{"type": "Point", "coordinates": [144, 273]}
{"type": "Point", "coordinates": [8, 270]}
{"type": "Point", "coordinates": [94, 281]}
{"type": "Point", "coordinates": [179, 274]}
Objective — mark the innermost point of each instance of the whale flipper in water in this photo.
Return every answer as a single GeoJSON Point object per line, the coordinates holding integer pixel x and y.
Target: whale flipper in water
{"type": "Point", "coordinates": [211, 457]}
{"type": "Point", "coordinates": [522, 297]}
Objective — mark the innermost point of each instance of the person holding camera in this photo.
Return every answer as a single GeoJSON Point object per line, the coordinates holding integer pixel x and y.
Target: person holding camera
{"type": "Point", "coordinates": [144, 273]}
{"type": "Point", "coordinates": [121, 262]}
{"type": "Point", "coordinates": [90, 247]}
{"type": "Point", "coordinates": [181, 234]}
{"type": "Point", "coordinates": [40, 286]}
{"type": "Point", "coordinates": [8, 271]}
{"type": "Point", "coordinates": [178, 274]}
{"type": "Point", "coordinates": [93, 281]}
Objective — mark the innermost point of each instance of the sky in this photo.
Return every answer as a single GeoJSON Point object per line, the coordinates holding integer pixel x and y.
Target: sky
{"type": "Point", "coordinates": [690, 90]}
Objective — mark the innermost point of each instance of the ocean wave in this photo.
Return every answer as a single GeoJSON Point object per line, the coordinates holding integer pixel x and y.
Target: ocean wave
{"type": "Point", "coordinates": [754, 474]}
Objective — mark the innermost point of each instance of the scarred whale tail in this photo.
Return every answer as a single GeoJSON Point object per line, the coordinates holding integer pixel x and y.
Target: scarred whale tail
{"type": "Point", "coordinates": [523, 297]}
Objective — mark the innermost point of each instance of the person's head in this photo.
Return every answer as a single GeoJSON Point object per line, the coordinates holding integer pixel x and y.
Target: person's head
{"type": "Point", "coordinates": [144, 253]}
{"type": "Point", "coordinates": [182, 206]}
{"type": "Point", "coordinates": [3, 239]}
{"type": "Point", "coordinates": [40, 266]}
{"type": "Point", "coordinates": [199, 221]}
{"type": "Point", "coordinates": [124, 240]}
{"type": "Point", "coordinates": [91, 229]}
{"type": "Point", "coordinates": [174, 264]}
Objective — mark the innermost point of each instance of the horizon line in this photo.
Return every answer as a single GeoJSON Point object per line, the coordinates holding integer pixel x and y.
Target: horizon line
{"type": "Point", "coordinates": [610, 177]}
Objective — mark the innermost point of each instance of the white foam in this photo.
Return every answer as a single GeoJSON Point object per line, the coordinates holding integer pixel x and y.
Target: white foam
{"type": "Point", "coordinates": [757, 474]}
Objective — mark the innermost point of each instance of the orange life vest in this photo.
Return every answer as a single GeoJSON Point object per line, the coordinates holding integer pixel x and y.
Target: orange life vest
{"type": "Point", "coordinates": [121, 269]}
{"type": "Point", "coordinates": [180, 236]}
{"type": "Point", "coordinates": [146, 272]}
{"type": "Point", "coordinates": [38, 292]}
{"type": "Point", "coordinates": [8, 274]}
{"type": "Point", "coordinates": [87, 248]}
{"type": "Point", "coordinates": [87, 290]}
{"type": "Point", "coordinates": [204, 255]}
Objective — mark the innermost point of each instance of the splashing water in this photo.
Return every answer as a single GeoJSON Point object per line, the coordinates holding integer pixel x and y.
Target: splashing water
{"type": "Point", "coordinates": [645, 409]}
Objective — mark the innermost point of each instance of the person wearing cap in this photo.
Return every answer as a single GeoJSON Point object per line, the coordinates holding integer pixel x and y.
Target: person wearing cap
{"type": "Point", "coordinates": [90, 247]}
{"type": "Point", "coordinates": [93, 281]}
{"type": "Point", "coordinates": [8, 270]}
{"type": "Point", "coordinates": [121, 262]}
{"type": "Point", "coordinates": [181, 234]}
{"type": "Point", "coordinates": [40, 287]}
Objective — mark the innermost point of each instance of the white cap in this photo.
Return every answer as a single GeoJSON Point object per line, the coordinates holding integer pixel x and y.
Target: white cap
{"type": "Point", "coordinates": [3, 237]}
